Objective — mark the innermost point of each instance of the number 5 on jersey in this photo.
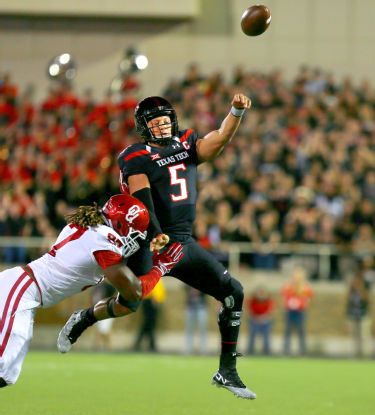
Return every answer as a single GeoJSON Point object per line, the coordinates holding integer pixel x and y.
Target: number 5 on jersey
{"type": "Point", "coordinates": [178, 181]}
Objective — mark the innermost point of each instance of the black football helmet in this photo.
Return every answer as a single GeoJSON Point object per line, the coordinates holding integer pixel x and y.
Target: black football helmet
{"type": "Point", "coordinates": [147, 110]}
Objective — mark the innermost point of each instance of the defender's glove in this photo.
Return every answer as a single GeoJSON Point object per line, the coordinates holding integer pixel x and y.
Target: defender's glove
{"type": "Point", "coordinates": [165, 261]}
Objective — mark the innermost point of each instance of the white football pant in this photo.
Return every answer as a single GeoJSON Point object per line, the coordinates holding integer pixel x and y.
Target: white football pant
{"type": "Point", "coordinates": [19, 296]}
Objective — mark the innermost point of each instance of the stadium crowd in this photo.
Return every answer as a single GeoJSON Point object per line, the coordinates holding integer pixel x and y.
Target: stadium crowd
{"type": "Point", "coordinates": [300, 169]}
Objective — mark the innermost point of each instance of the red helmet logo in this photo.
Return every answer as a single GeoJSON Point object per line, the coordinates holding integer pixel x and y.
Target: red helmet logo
{"type": "Point", "coordinates": [129, 217]}
{"type": "Point", "coordinates": [124, 212]}
{"type": "Point", "coordinates": [133, 213]}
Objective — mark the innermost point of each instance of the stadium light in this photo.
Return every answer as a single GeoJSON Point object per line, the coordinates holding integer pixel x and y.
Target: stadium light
{"type": "Point", "coordinates": [62, 67]}
{"type": "Point", "coordinates": [141, 62]}
{"type": "Point", "coordinates": [116, 84]}
{"type": "Point", "coordinates": [54, 70]}
{"type": "Point", "coordinates": [64, 58]}
{"type": "Point", "coordinates": [132, 62]}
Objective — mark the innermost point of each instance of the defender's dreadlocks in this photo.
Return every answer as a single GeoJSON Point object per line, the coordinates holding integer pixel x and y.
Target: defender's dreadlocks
{"type": "Point", "coordinates": [86, 216]}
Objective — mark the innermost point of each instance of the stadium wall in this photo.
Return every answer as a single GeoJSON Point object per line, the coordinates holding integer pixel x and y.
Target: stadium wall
{"type": "Point", "coordinates": [336, 35]}
{"type": "Point", "coordinates": [327, 325]}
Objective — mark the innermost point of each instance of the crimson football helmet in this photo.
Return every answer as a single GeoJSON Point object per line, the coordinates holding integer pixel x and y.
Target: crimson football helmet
{"type": "Point", "coordinates": [129, 217]}
{"type": "Point", "coordinates": [150, 108]}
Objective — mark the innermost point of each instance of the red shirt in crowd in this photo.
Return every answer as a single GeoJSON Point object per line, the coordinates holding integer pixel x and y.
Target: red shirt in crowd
{"type": "Point", "coordinates": [259, 307]}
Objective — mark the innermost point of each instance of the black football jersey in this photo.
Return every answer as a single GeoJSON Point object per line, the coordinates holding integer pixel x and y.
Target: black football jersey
{"type": "Point", "coordinates": [172, 173]}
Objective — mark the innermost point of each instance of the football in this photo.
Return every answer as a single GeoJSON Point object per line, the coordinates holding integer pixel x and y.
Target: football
{"type": "Point", "coordinates": [255, 20]}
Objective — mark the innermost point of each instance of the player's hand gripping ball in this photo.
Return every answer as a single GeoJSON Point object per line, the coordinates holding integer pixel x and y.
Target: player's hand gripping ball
{"type": "Point", "coordinates": [255, 20]}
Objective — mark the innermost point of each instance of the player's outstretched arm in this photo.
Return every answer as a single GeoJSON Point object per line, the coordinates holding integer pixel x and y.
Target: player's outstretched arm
{"type": "Point", "coordinates": [131, 290]}
{"type": "Point", "coordinates": [163, 264]}
{"type": "Point", "coordinates": [214, 142]}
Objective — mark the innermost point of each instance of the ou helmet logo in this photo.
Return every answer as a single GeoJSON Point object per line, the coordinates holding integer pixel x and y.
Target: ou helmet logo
{"type": "Point", "coordinates": [133, 213]}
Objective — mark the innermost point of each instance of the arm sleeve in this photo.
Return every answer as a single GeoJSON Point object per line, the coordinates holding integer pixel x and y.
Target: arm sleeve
{"type": "Point", "coordinates": [149, 281]}
{"type": "Point", "coordinates": [107, 258]}
{"type": "Point", "coordinates": [144, 195]}
{"type": "Point", "coordinates": [132, 161]}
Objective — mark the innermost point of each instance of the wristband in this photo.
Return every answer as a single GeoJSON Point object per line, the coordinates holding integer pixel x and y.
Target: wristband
{"type": "Point", "coordinates": [237, 112]}
{"type": "Point", "coordinates": [161, 269]}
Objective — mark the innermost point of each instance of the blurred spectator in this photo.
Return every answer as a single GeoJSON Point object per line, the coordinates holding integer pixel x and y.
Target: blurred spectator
{"type": "Point", "coordinates": [196, 320]}
{"type": "Point", "coordinates": [103, 328]}
{"type": "Point", "coordinates": [150, 308]}
{"type": "Point", "coordinates": [268, 237]}
{"type": "Point", "coordinates": [301, 168]}
{"type": "Point", "coordinates": [260, 308]}
{"type": "Point", "coordinates": [15, 226]}
{"type": "Point", "coordinates": [297, 294]}
{"type": "Point", "coordinates": [369, 186]}
{"type": "Point", "coordinates": [357, 310]}
{"type": "Point", "coordinates": [364, 241]}
{"type": "Point", "coordinates": [367, 269]}
{"type": "Point", "coordinates": [192, 76]}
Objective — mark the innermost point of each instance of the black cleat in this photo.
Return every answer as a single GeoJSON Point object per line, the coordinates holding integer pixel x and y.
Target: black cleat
{"type": "Point", "coordinates": [3, 384]}
{"type": "Point", "coordinates": [229, 379]}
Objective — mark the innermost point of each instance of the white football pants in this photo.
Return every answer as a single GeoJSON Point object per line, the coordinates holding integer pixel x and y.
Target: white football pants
{"type": "Point", "coordinates": [19, 296]}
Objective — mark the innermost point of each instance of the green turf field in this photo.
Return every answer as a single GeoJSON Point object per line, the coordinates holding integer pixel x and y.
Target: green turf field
{"type": "Point", "coordinates": [127, 384]}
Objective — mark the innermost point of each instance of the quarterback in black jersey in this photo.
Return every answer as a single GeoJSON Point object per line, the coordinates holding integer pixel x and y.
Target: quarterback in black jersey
{"type": "Point", "coordinates": [162, 173]}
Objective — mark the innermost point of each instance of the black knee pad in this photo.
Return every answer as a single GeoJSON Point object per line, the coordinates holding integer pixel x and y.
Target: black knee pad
{"type": "Point", "coordinates": [3, 383]}
{"type": "Point", "coordinates": [233, 296]}
{"type": "Point", "coordinates": [230, 313]}
{"type": "Point", "coordinates": [131, 305]}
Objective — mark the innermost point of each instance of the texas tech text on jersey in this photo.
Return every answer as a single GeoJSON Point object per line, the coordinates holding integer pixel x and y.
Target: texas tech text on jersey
{"type": "Point", "coordinates": [172, 172]}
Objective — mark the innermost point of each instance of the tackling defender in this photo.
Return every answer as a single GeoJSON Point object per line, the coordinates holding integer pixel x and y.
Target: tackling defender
{"type": "Point", "coordinates": [162, 173]}
{"type": "Point", "coordinates": [93, 245]}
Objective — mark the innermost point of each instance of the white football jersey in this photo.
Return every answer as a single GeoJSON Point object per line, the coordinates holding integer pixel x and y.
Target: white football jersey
{"type": "Point", "coordinates": [70, 266]}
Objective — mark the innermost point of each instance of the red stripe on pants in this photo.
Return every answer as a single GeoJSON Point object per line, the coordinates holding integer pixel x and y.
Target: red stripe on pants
{"type": "Point", "coordinates": [14, 309]}
{"type": "Point", "coordinates": [9, 299]}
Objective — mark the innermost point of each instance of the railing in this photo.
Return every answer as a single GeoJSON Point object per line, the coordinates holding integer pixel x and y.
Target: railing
{"type": "Point", "coordinates": [34, 242]}
{"type": "Point", "coordinates": [322, 252]}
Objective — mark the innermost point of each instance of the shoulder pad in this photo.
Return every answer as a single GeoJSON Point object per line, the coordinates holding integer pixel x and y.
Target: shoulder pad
{"type": "Point", "coordinates": [132, 151]}
{"type": "Point", "coordinates": [103, 230]}
{"type": "Point", "coordinates": [132, 147]}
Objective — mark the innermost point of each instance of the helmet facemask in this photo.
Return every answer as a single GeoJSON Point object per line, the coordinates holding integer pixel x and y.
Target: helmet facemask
{"type": "Point", "coordinates": [149, 109]}
{"type": "Point", "coordinates": [131, 244]}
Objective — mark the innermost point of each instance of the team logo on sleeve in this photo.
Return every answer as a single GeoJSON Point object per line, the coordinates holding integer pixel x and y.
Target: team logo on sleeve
{"type": "Point", "coordinates": [133, 213]}
{"type": "Point", "coordinates": [155, 156]}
